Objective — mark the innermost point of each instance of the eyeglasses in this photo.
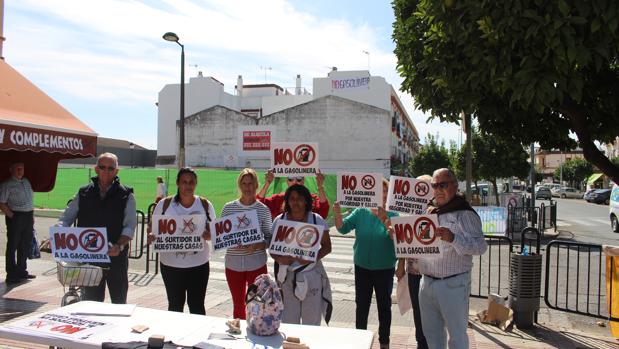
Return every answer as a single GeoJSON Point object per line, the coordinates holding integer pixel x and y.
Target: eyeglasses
{"type": "Point", "coordinates": [106, 168]}
{"type": "Point", "coordinates": [295, 179]}
{"type": "Point", "coordinates": [442, 185]}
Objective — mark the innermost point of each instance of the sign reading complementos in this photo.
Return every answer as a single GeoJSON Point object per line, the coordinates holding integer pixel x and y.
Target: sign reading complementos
{"type": "Point", "coordinates": [178, 233]}
{"type": "Point", "coordinates": [296, 239]}
{"type": "Point", "coordinates": [359, 189]}
{"type": "Point", "coordinates": [294, 159]}
{"type": "Point", "coordinates": [85, 245]}
{"type": "Point", "coordinates": [408, 195]}
{"type": "Point", "coordinates": [239, 229]}
{"type": "Point", "coordinates": [415, 236]}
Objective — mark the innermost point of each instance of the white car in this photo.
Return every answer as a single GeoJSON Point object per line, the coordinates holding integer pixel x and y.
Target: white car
{"type": "Point", "coordinates": [614, 208]}
{"type": "Point", "coordinates": [567, 192]}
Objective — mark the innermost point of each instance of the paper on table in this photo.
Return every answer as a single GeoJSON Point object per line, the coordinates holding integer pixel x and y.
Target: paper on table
{"type": "Point", "coordinates": [105, 309]}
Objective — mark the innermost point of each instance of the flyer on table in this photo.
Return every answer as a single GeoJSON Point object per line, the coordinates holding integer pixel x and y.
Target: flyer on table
{"type": "Point", "coordinates": [415, 236]}
{"type": "Point", "coordinates": [66, 326]}
{"type": "Point", "coordinates": [178, 233]}
{"type": "Point", "coordinates": [239, 229]}
{"type": "Point", "coordinates": [408, 195]}
{"type": "Point", "coordinates": [359, 189]}
{"type": "Point", "coordinates": [296, 239]}
{"type": "Point", "coordinates": [294, 159]}
{"type": "Point", "coordinates": [86, 245]}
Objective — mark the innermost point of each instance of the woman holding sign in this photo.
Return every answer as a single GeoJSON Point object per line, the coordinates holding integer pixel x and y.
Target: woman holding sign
{"type": "Point", "coordinates": [374, 258]}
{"type": "Point", "coordinates": [185, 274]}
{"type": "Point", "coordinates": [304, 284]}
{"type": "Point", "coordinates": [244, 264]}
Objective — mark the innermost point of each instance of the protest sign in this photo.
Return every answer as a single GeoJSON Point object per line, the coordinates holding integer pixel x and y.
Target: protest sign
{"type": "Point", "coordinates": [178, 233]}
{"type": "Point", "coordinates": [86, 245]}
{"type": "Point", "coordinates": [359, 189]}
{"type": "Point", "coordinates": [493, 219]}
{"type": "Point", "coordinates": [408, 195]}
{"type": "Point", "coordinates": [294, 159]}
{"type": "Point", "coordinates": [415, 236]}
{"type": "Point", "coordinates": [296, 239]}
{"type": "Point", "coordinates": [238, 229]}
{"type": "Point", "coordinates": [60, 326]}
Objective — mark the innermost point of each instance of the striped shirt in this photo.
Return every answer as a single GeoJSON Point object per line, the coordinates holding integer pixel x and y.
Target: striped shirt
{"type": "Point", "coordinates": [17, 194]}
{"type": "Point", "coordinates": [458, 255]}
{"type": "Point", "coordinates": [239, 259]}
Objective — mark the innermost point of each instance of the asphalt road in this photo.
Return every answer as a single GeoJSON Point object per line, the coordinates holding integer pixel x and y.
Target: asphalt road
{"type": "Point", "coordinates": [587, 222]}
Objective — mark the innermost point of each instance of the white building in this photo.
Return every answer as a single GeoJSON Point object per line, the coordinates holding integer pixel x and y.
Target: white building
{"type": "Point", "coordinates": [368, 110]}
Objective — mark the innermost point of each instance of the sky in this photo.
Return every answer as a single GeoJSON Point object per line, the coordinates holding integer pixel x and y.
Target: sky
{"type": "Point", "coordinates": [105, 61]}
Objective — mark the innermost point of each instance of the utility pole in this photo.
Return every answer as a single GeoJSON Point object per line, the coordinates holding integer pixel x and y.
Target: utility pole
{"type": "Point", "coordinates": [469, 155]}
{"type": "Point", "coordinates": [533, 185]}
{"type": "Point", "coordinates": [2, 38]}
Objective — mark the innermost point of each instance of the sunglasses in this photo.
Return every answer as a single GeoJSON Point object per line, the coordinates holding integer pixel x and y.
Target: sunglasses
{"type": "Point", "coordinates": [106, 168]}
{"type": "Point", "coordinates": [297, 179]}
{"type": "Point", "coordinates": [441, 185]}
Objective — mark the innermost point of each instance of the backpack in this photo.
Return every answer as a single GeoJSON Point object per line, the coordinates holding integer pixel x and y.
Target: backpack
{"type": "Point", "coordinates": [264, 306]}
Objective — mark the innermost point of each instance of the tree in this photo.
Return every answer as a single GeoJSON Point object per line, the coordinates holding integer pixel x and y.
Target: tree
{"type": "Point", "coordinates": [575, 171]}
{"type": "Point", "coordinates": [529, 71]}
{"type": "Point", "coordinates": [432, 156]}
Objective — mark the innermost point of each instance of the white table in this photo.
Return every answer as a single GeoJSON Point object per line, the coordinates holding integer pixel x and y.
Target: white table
{"type": "Point", "coordinates": [188, 329]}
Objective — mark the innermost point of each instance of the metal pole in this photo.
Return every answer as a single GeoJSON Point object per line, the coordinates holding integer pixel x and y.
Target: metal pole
{"type": "Point", "coordinates": [533, 185]}
{"type": "Point", "coordinates": [181, 150]}
{"type": "Point", "coordinates": [469, 156]}
{"type": "Point", "coordinates": [2, 38]}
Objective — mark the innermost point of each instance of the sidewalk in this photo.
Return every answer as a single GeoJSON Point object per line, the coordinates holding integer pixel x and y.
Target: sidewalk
{"type": "Point", "coordinates": [44, 293]}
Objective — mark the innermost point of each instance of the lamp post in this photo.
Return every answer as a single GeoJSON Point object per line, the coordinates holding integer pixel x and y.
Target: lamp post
{"type": "Point", "coordinates": [169, 36]}
{"type": "Point", "coordinates": [131, 146]}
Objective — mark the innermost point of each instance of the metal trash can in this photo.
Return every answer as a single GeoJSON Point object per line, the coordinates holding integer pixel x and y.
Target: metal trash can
{"type": "Point", "coordinates": [525, 280]}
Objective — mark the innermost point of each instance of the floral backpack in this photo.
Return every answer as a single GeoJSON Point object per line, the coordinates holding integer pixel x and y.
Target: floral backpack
{"type": "Point", "coordinates": [264, 307]}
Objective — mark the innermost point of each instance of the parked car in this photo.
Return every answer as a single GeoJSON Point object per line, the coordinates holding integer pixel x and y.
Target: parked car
{"type": "Point", "coordinates": [543, 193]}
{"type": "Point", "coordinates": [614, 208]}
{"type": "Point", "coordinates": [600, 196]}
{"type": "Point", "coordinates": [567, 192]}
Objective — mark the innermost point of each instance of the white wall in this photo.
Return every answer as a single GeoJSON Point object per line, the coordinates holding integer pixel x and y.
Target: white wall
{"type": "Point", "coordinates": [378, 93]}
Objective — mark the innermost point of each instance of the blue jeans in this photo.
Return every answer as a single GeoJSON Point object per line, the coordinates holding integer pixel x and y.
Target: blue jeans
{"type": "Point", "coordinates": [413, 289]}
{"type": "Point", "coordinates": [445, 309]}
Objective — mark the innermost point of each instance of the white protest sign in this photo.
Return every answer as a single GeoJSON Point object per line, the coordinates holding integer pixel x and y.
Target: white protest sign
{"type": "Point", "coordinates": [294, 159]}
{"type": "Point", "coordinates": [85, 245]}
{"type": "Point", "coordinates": [60, 326]}
{"type": "Point", "coordinates": [296, 239]}
{"type": "Point", "coordinates": [408, 195]}
{"type": "Point", "coordinates": [415, 236]}
{"type": "Point", "coordinates": [359, 189]}
{"type": "Point", "coordinates": [239, 229]}
{"type": "Point", "coordinates": [178, 233]}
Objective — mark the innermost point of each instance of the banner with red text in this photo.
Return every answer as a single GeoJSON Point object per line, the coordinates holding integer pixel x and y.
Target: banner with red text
{"type": "Point", "coordinates": [294, 159]}
{"type": "Point", "coordinates": [415, 236]}
{"type": "Point", "coordinates": [178, 233]}
{"type": "Point", "coordinates": [359, 189]}
{"type": "Point", "coordinates": [408, 195]}
{"type": "Point", "coordinates": [238, 229]}
{"type": "Point", "coordinates": [296, 239]}
{"type": "Point", "coordinates": [86, 245]}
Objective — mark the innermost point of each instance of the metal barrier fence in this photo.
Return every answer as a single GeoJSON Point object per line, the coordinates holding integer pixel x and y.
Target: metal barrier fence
{"type": "Point", "coordinates": [583, 290]}
{"type": "Point", "coordinates": [136, 246]}
{"type": "Point", "coordinates": [491, 270]}
{"type": "Point", "coordinates": [151, 256]}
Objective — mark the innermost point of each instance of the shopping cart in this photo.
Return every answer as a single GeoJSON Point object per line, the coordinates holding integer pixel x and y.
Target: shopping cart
{"type": "Point", "coordinates": [75, 276]}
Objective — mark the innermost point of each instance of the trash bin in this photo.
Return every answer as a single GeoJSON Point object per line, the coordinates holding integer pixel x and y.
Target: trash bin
{"type": "Point", "coordinates": [525, 280]}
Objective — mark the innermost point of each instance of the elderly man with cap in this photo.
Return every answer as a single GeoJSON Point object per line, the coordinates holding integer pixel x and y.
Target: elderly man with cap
{"type": "Point", "coordinates": [106, 203]}
{"type": "Point", "coordinates": [446, 282]}
{"type": "Point", "coordinates": [275, 203]}
{"type": "Point", "coordinates": [16, 202]}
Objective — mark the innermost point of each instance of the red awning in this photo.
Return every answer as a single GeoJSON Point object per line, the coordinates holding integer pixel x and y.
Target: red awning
{"type": "Point", "coordinates": [38, 131]}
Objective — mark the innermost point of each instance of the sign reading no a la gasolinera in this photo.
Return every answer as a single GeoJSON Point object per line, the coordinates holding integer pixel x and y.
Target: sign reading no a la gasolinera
{"type": "Point", "coordinates": [87, 245]}
{"type": "Point", "coordinates": [408, 195]}
{"type": "Point", "coordinates": [359, 189]}
{"type": "Point", "coordinates": [415, 236]}
{"type": "Point", "coordinates": [294, 159]}
{"type": "Point", "coordinates": [178, 233]}
{"type": "Point", "coordinates": [296, 239]}
{"type": "Point", "coordinates": [239, 229]}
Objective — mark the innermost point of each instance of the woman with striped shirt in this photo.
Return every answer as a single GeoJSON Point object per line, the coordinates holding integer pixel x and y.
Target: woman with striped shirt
{"type": "Point", "coordinates": [244, 264]}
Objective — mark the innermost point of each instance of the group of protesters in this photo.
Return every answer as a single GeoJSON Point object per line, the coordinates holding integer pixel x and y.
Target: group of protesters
{"type": "Point", "coordinates": [439, 289]}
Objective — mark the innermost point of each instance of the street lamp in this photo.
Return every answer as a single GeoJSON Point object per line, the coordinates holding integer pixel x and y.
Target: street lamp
{"type": "Point", "coordinates": [131, 146]}
{"type": "Point", "coordinates": [169, 36]}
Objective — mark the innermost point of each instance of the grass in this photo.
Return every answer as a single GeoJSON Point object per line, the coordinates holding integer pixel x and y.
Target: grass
{"type": "Point", "coordinates": [219, 186]}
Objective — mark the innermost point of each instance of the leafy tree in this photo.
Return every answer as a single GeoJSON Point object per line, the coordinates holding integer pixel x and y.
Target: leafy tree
{"type": "Point", "coordinates": [530, 71]}
{"type": "Point", "coordinates": [432, 156]}
{"type": "Point", "coordinates": [575, 171]}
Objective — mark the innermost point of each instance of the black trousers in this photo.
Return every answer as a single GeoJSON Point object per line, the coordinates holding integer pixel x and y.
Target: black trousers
{"type": "Point", "coordinates": [18, 243]}
{"type": "Point", "coordinates": [413, 289]}
{"type": "Point", "coordinates": [116, 279]}
{"type": "Point", "coordinates": [381, 282]}
{"type": "Point", "coordinates": [186, 283]}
